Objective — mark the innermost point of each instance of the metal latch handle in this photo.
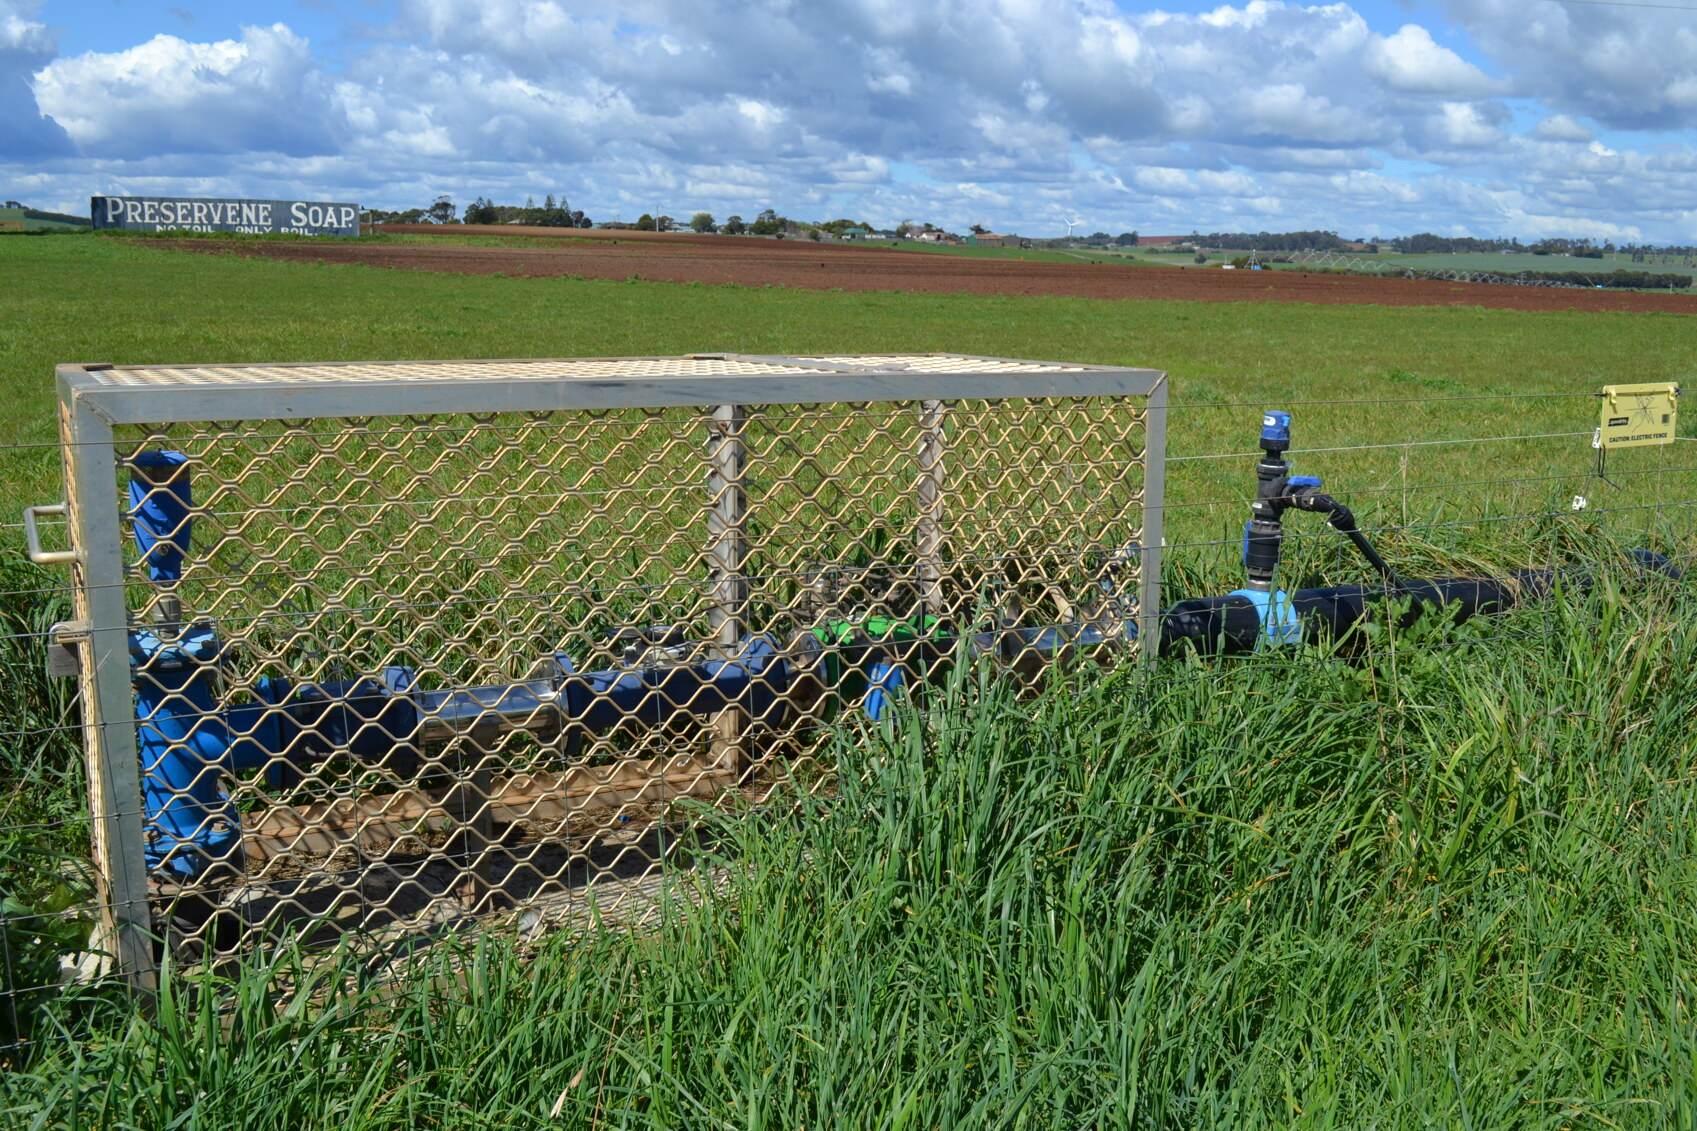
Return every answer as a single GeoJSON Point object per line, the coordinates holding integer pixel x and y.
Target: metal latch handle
{"type": "Point", "coordinates": [32, 536]}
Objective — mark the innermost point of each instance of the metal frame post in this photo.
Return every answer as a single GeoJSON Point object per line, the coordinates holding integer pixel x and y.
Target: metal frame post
{"type": "Point", "coordinates": [108, 701]}
{"type": "Point", "coordinates": [1154, 515]}
{"type": "Point", "coordinates": [929, 531]}
{"type": "Point", "coordinates": [727, 554]}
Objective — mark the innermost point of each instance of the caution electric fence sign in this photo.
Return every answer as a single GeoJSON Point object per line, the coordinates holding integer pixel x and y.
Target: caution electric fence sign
{"type": "Point", "coordinates": [1638, 416]}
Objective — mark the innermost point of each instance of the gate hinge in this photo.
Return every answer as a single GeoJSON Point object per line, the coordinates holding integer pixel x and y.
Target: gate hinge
{"type": "Point", "coordinates": [64, 659]}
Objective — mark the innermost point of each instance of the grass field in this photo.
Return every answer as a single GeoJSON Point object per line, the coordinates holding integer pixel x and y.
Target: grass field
{"type": "Point", "coordinates": [1507, 264]}
{"type": "Point", "coordinates": [1452, 885]}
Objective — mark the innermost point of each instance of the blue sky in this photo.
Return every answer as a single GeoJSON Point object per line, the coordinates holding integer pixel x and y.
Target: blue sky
{"type": "Point", "coordinates": [1523, 117]}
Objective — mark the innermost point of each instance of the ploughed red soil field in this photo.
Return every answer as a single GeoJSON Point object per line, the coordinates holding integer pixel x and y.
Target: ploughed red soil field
{"type": "Point", "coordinates": [682, 258]}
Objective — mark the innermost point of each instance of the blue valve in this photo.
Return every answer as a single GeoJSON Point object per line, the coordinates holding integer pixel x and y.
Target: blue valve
{"type": "Point", "coordinates": [1304, 482]}
{"type": "Point", "coordinates": [1275, 428]}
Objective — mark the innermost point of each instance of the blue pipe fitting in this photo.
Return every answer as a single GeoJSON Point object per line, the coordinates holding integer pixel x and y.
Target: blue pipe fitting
{"type": "Point", "coordinates": [161, 498]}
{"type": "Point", "coordinates": [883, 683]}
{"type": "Point", "coordinates": [185, 746]}
{"type": "Point", "coordinates": [1280, 624]}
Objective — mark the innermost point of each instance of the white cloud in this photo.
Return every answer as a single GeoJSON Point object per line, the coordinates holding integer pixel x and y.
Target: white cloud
{"type": "Point", "coordinates": [1412, 62]}
{"type": "Point", "coordinates": [1162, 181]}
{"type": "Point", "coordinates": [1230, 182]}
{"type": "Point", "coordinates": [1288, 111]}
{"type": "Point", "coordinates": [891, 83]}
{"type": "Point", "coordinates": [25, 45]}
{"type": "Point", "coordinates": [762, 115]}
{"type": "Point", "coordinates": [1261, 113]}
{"type": "Point", "coordinates": [1464, 125]}
{"type": "Point", "coordinates": [1560, 127]}
{"type": "Point", "coordinates": [1627, 66]}
{"type": "Point", "coordinates": [169, 95]}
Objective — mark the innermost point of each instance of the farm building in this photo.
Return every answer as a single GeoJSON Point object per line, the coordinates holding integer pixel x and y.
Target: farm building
{"type": "Point", "coordinates": [855, 233]}
{"type": "Point", "coordinates": [992, 239]}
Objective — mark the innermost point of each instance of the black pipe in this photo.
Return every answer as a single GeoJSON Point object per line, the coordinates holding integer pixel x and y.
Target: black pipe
{"type": "Point", "coordinates": [1216, 626]}
{"type": "Point", "coordinates": [1342, 519]}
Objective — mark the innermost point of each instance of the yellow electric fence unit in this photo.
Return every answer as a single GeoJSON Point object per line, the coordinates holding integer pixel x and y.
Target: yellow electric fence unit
{"type": "Point", "coordinates": [1638, 416]}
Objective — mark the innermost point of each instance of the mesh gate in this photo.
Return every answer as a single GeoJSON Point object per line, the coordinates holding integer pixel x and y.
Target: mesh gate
{"type": "Point", "coordinates": [380, 649]}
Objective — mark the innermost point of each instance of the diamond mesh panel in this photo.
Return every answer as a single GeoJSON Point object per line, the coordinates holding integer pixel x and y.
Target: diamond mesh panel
{"type": "Point", "coordinates": [420, 671]}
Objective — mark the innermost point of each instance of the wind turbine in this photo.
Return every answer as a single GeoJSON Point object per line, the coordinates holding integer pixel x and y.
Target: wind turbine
{"type": "Point", "coordinates": [1071, 224]}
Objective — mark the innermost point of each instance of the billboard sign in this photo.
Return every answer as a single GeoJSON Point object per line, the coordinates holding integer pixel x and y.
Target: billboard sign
{"type": "Point", "coordinates": [200, 214]}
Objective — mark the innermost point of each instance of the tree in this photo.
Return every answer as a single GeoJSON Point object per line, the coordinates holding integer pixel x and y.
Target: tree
{"type": "Point", "coordinates": [410, 216]}
{"type": "Point", "coordinates": [768, 223]}
{"type": "Point", "coordinates": [441, 211]}
{"type": "Point", "coordinates": [481, 211]}
{"type": "Point", "coordinates": [645, 223]}
{"type": "Point", "coordinates": [979, 230]}
{"type": "Point", "coordinates": [665, 224]}
{"type": "Point", "coordinates": [555, 214]}
{"type": "Point", "coordinates": [1126, 239]}
{"type": "Point", "coordinates": [734, 226]}
{"type": "Point", "coordinates": [701, 222]}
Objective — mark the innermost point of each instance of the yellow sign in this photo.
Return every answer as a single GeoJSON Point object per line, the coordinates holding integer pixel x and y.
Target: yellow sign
{"type": "Point", "coordinates": [1637, 416]}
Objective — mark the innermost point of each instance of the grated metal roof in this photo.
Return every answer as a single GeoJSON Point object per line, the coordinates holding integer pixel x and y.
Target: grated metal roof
{"type": "Point", "coordinates": [565, 368]}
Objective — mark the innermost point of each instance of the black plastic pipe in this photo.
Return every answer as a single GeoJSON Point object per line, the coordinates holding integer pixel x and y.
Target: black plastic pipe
{"type": "Point", "coordinates": [1216, 626]}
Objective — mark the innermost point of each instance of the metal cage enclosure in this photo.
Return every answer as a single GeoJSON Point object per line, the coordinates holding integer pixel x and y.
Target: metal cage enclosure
{"type": "Point", "coordinates": [377, 649]}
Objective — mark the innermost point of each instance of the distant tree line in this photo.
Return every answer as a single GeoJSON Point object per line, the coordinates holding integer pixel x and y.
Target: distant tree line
{"type": "Point", "coordinates": [1425, 243]}
{"type": "Point", "coordinates": [482, 210]}
{"type": "Point", "coordinates": [1270, 241]}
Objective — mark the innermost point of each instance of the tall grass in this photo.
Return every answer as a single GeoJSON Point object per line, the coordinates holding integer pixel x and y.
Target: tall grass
{"type": "Point", "coordinates": [1450, 884]}
{"type": "Point", "coordinates": [44, 834]}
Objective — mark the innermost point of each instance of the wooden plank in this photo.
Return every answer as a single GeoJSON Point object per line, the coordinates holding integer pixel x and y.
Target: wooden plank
{"type": "Point", "coordinates": [553, 799]}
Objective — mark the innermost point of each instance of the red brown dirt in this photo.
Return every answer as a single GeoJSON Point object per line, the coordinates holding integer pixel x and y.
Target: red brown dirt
{"type": "Point", "coordinates": [683, 258]}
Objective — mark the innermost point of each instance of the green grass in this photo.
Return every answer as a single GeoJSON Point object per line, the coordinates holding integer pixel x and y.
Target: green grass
{"type": "Point", "coordinates": [1525, 261]}
{"type": "Point", "coordinates": [112, 300]}
{"type": "Point", "coordinates": [1453, 885]}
